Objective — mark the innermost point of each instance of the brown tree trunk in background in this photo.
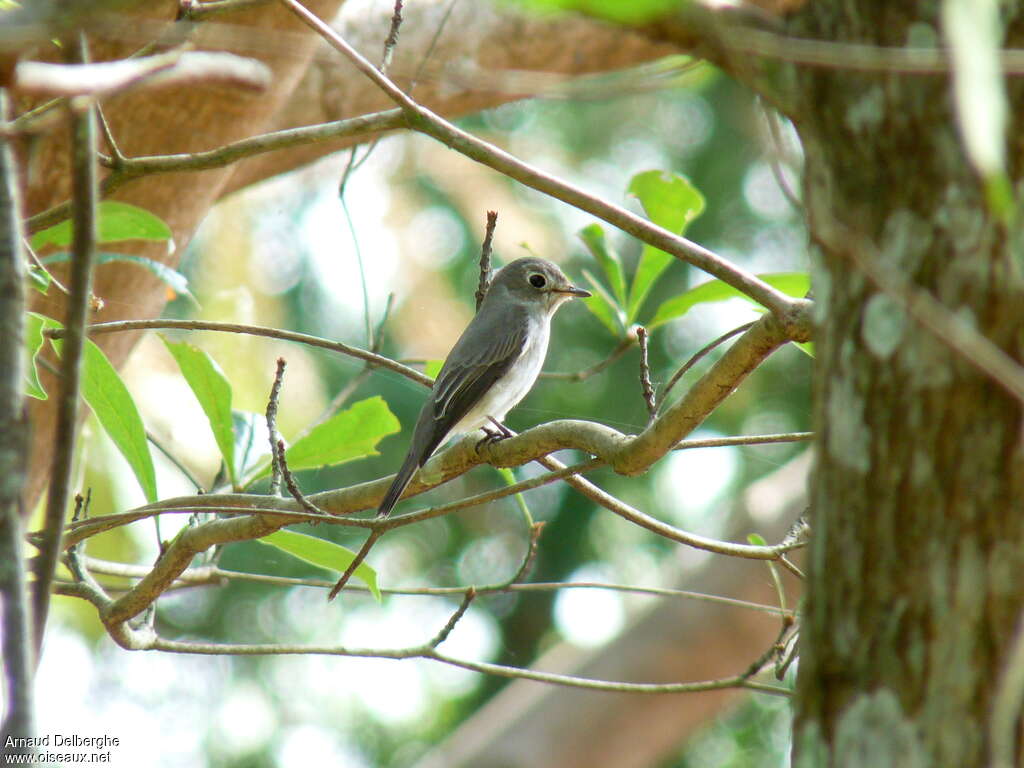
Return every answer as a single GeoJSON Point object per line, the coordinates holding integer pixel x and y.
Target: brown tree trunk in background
{"type": "Point", "coordinates": [197, 118]}
{"type": "Point", "coordinates": [170, 120]}
{"type": "Point", "coordinates": [916, 563]}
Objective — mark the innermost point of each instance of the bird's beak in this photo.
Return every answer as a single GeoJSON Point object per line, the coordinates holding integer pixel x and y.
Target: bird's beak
{"type": "Point", "coordinates": [572, 290]}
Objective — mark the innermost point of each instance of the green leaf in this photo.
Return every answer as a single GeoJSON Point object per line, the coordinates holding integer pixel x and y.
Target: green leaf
{"type": "Point", "coordinates": [790, 283]}
{"type": "Point", "coordinates": [115, 410]}
{"type": "Point", "coordinates": [593, 237]}
{"type": "Point", "coordinates": [757, 540]}
{"type": "Point", "coordinates": [176, 281]}
{"type": "Point", "coordinates": [34, 325]}
{"type": "Point", "coordinates": [213, 391]}
{"type": "Point", "coordinates": [807, 347]}
{"type": "Point", "coordinates": [110, 400]}
{"type": "Point", "coordinates": [625, 12]}
{"type": "Point", "coordinates": [603, 307]}
{"type": "Point", "coordinates": [671, 202]}
{"type": "Point", "coordinates": [39, 278]}
{"type": "Point", "coordinates": [432, 368]}
{"type": "Point", "coordinates": [323, 554]}
{"type": "Point", "coordinates": [347, 435]}
{"type": "Point", "coordinates": [116, 222]}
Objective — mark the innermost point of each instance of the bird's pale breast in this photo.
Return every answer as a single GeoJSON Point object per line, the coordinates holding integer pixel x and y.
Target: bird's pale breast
{"type": "Point", "coordinates": [506, 393]}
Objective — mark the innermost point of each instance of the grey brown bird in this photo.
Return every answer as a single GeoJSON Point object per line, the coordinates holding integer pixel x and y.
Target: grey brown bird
{"type": "Point", "coordinates": [493, 364]}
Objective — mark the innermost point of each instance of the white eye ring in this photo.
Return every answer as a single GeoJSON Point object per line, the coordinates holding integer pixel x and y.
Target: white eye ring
{"type": "Point", "coordinates": [537, 280]}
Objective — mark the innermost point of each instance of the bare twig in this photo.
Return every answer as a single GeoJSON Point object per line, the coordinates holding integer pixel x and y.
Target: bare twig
{"type": "Point", "coordinates": [214, 575]}
{"type": "Point", "coordinates": [275, 464]}
{"type": "Point", "coordinates": [485, 259]}
{"type": "Point", "coordinates": [624, 345]}
{"type": "Point", "coordinates": [854, 57]}
{"type": "Point", "coordinates": [15, 621]}
{"type": "Point", "coordinates": [392, 39]}
{"type": "Point", "coordinates": [531, 554]}
{"type": "Point", "coordinates": [83, 140]}
{"type": "Point", "coordinates": [356, 381]}
{"type": "Point", "coordinates": [151, 641]}
{"type": "Point", "coordinates": [771, 120]}
{"type": "Point", "coordinates": [356, 562]}
{"type": "Point", "coordinates": [178, 464]}
{"type": "Point", "coordinates": [646, 388]}
{"type": "Point", "coordinates": [256, 330]}
{"type": "Point", "coordinates": [293, 487]}
{"type": "Point", "coordinates": [446, 630]}
{"type": "Point", "coordinates": [721, 442]}
{"type": "Point", "coordinates": [40, 266]}
{"type": "Point", "coordinates": [699, 355]}
{"type": "Point", "coordinates": [194, 10]}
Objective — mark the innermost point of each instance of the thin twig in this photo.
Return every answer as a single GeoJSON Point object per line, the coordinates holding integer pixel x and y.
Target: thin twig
{"type": "Point", "coordinates": [194, 10]}
{"type": "Point", "coordinates": [392, 39]}
{"type": "Point", "coordinates": [624, 345]}
{"type": "Point", "coordinates": [275, 393]}
{"type": "Point", "coordinates": [485, 259]}
{"type": "Point", "coordinates": [15, 619]}
{"type": "Point", "coordinates": [446, 630]}
{"type": "Point", "coordinates": [40, 266]}
{"type": "Point", "coordinates": [151, 641]}
{"type": "Point", "coordinates": [356, 381]}
{"type": "Point", "coordinates": [433, 44]}
{"type": "Point", "coordinates": [255, 330]}
{"type": "Point", "coordinates": [293, 487]}
{"type": "Point", "coordinates": [646, 388]}
{"type": "Point", "coordinates": [356, 562]}
{"type": "Point", "coordinates": [722, 442]}
{"type": "Point", "coordinates": [202, 575]}
{"type": "Point", "coordinates": [698, 355]}
{"type": "Point", "coordinates": [83, 173]}
{"type": "Point", "coordinates": [776, 156]}
{"type": "Point", "coordinates": [531, 554]}
{"type": "Point", "coordinates": [178, 464]}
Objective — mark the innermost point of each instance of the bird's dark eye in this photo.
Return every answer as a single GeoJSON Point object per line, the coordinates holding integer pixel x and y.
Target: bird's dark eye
{"type": "Point", "coordinates": [538, 281]}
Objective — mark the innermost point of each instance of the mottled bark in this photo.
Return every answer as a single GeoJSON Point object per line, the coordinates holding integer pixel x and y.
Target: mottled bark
{"type": "Point", "coordinates": [916, 565]}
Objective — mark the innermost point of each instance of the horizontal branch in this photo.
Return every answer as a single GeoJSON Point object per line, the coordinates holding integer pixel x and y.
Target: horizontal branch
{"type": "Point", "coordinates": [255, 330]}
{"type": "Point", "coordinates": [105, 78]}
{"type": "Point", "coordinates": [151, 641]}
{"type": "Point", "coordinates": [126, 169]}
{"type": "Point", "coordinates": [202, 575]}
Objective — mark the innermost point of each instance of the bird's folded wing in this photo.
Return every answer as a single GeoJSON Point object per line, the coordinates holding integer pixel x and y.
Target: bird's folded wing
{"type": "Point", "coordinates": [468, 374]}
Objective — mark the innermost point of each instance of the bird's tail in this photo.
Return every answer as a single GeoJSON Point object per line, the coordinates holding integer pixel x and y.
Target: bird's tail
{"type": "Point", "coordinates": [427, 435]}
{"type": "Point", "coordinates": [399, 484]}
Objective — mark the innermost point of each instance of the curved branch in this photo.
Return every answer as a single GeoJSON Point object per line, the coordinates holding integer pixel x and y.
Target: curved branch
{"type": "Point", "coordinates": [427, 122]}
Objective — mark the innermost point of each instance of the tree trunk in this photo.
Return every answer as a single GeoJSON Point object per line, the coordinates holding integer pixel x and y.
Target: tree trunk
{"type": "Point", "coordinates": [916, 563]}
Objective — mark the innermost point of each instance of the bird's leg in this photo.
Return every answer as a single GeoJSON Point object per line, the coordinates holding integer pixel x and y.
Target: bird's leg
{"type": "Point", "coordinates": [493, 435]}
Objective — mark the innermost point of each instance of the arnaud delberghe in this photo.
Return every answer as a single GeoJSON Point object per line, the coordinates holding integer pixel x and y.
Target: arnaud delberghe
{"type": "Point", "coordinates": [61, 740]}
